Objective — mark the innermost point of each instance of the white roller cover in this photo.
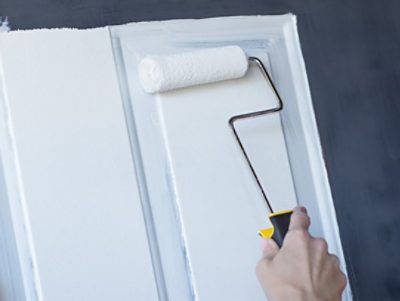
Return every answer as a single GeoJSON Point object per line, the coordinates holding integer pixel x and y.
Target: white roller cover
{"type": "Point", "coordinates": [169, 72]}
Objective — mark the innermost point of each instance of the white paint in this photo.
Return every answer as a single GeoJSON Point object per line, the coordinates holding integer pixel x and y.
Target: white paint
{"type": "Point", "coordinates": [192, 165]}
{"type": "Point", "coordinates": [11, 283]}
{"type": "Point", "coordinates": [156, 189]}
{"type": "Point", "coordinates": [68, 168]}
{"type": "Point", "coordinates": [220, 205]}
{"type": "Point", "coordinates": [82, 225]}
{"type": "Point", "coordinates": [168, 72]}
{"type": "Point", "coordinates": [4, 25]}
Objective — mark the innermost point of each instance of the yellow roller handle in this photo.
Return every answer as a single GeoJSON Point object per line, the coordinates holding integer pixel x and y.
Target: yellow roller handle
{"type": "Point", "coordinates": [280, 225]}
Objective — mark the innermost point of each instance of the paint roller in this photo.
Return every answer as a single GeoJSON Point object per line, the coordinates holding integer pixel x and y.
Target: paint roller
{"type": "Point", "coordinates": [162, 73]}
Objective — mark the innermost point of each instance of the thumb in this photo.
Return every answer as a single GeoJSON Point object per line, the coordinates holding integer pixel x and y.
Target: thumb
{"type": "Point", "coordinates": [269, 248]}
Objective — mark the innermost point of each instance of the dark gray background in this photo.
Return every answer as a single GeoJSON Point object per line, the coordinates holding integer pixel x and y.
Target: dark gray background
{"type": "Point", "coordinates": [352, 54]}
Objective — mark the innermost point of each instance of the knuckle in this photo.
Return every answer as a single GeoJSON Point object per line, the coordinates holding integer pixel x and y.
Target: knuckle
{"type": "Point", "coordinates": [342, 281]}
{"type": "Point", "coordinates": [306, 218]}
{"type": "Point", "coordinates": [321, 245]}
{"type": "Point", "coordinates": [335, 260]}
{"type": "Point", "coordinates": [301, 218]}
{"type": "Point", "coordinates": [299, 233]}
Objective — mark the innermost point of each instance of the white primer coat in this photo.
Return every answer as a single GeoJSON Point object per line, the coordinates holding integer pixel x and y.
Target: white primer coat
{"type": "Point", "coordinates": [192, 164]}
{"type": "Point", "coordinates": [70, 179]}
{"type": "Point", "coordinates": [168, 72]}
{"type": "Point", "coordinates": [66, 157]}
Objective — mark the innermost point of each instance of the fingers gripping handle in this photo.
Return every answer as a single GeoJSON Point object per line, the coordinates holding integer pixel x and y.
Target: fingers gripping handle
{"type": "Point", "coordinates": [280, 225]}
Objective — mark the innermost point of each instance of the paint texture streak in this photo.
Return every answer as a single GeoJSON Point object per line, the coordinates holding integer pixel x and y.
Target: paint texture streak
{"type": "Point", "coordinates": [18, 210]}
{"type": "Point", "coordinates": [136, 156]}
{"type": "Point", "coordinates": [4, 25]}
{"type": "Point", "coordinates": [178, 213]}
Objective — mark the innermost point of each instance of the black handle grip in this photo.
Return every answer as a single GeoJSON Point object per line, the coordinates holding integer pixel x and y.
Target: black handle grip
{"type": "Point", "coordinates": [280, 221]}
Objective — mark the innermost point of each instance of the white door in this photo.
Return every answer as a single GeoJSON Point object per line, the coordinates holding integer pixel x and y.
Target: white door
{"type": "Point", "coordinates": [115, 194]}
{"type": "Point", "coordinates": [195, 173]}
{"type": "Point", "coordinates": [70, 177]}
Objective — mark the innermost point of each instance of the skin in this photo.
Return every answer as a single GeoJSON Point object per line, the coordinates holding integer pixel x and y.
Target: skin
{"type": "Point", "coordinates": [302, 270]}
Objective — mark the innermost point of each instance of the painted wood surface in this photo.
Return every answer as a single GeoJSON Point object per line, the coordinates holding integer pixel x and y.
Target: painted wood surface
{"type": "Point", "coordinates": [192, 162]}
{"type": "Point", "coordinates": [71, 181]}
{"type": "Point", "coordinates": [220, 206]}
{"type": "Point", "coordinates": [349, 48]}
{"type": "Point", "coordinates": [11, 281]}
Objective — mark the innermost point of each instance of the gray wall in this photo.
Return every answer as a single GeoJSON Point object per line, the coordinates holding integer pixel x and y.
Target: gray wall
{"type": "Point", "coordinates": [352, 53]}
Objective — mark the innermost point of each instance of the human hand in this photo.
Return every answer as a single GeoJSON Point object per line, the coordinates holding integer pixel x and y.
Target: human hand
{"type": "Point", "coordinates": [302, 270]}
